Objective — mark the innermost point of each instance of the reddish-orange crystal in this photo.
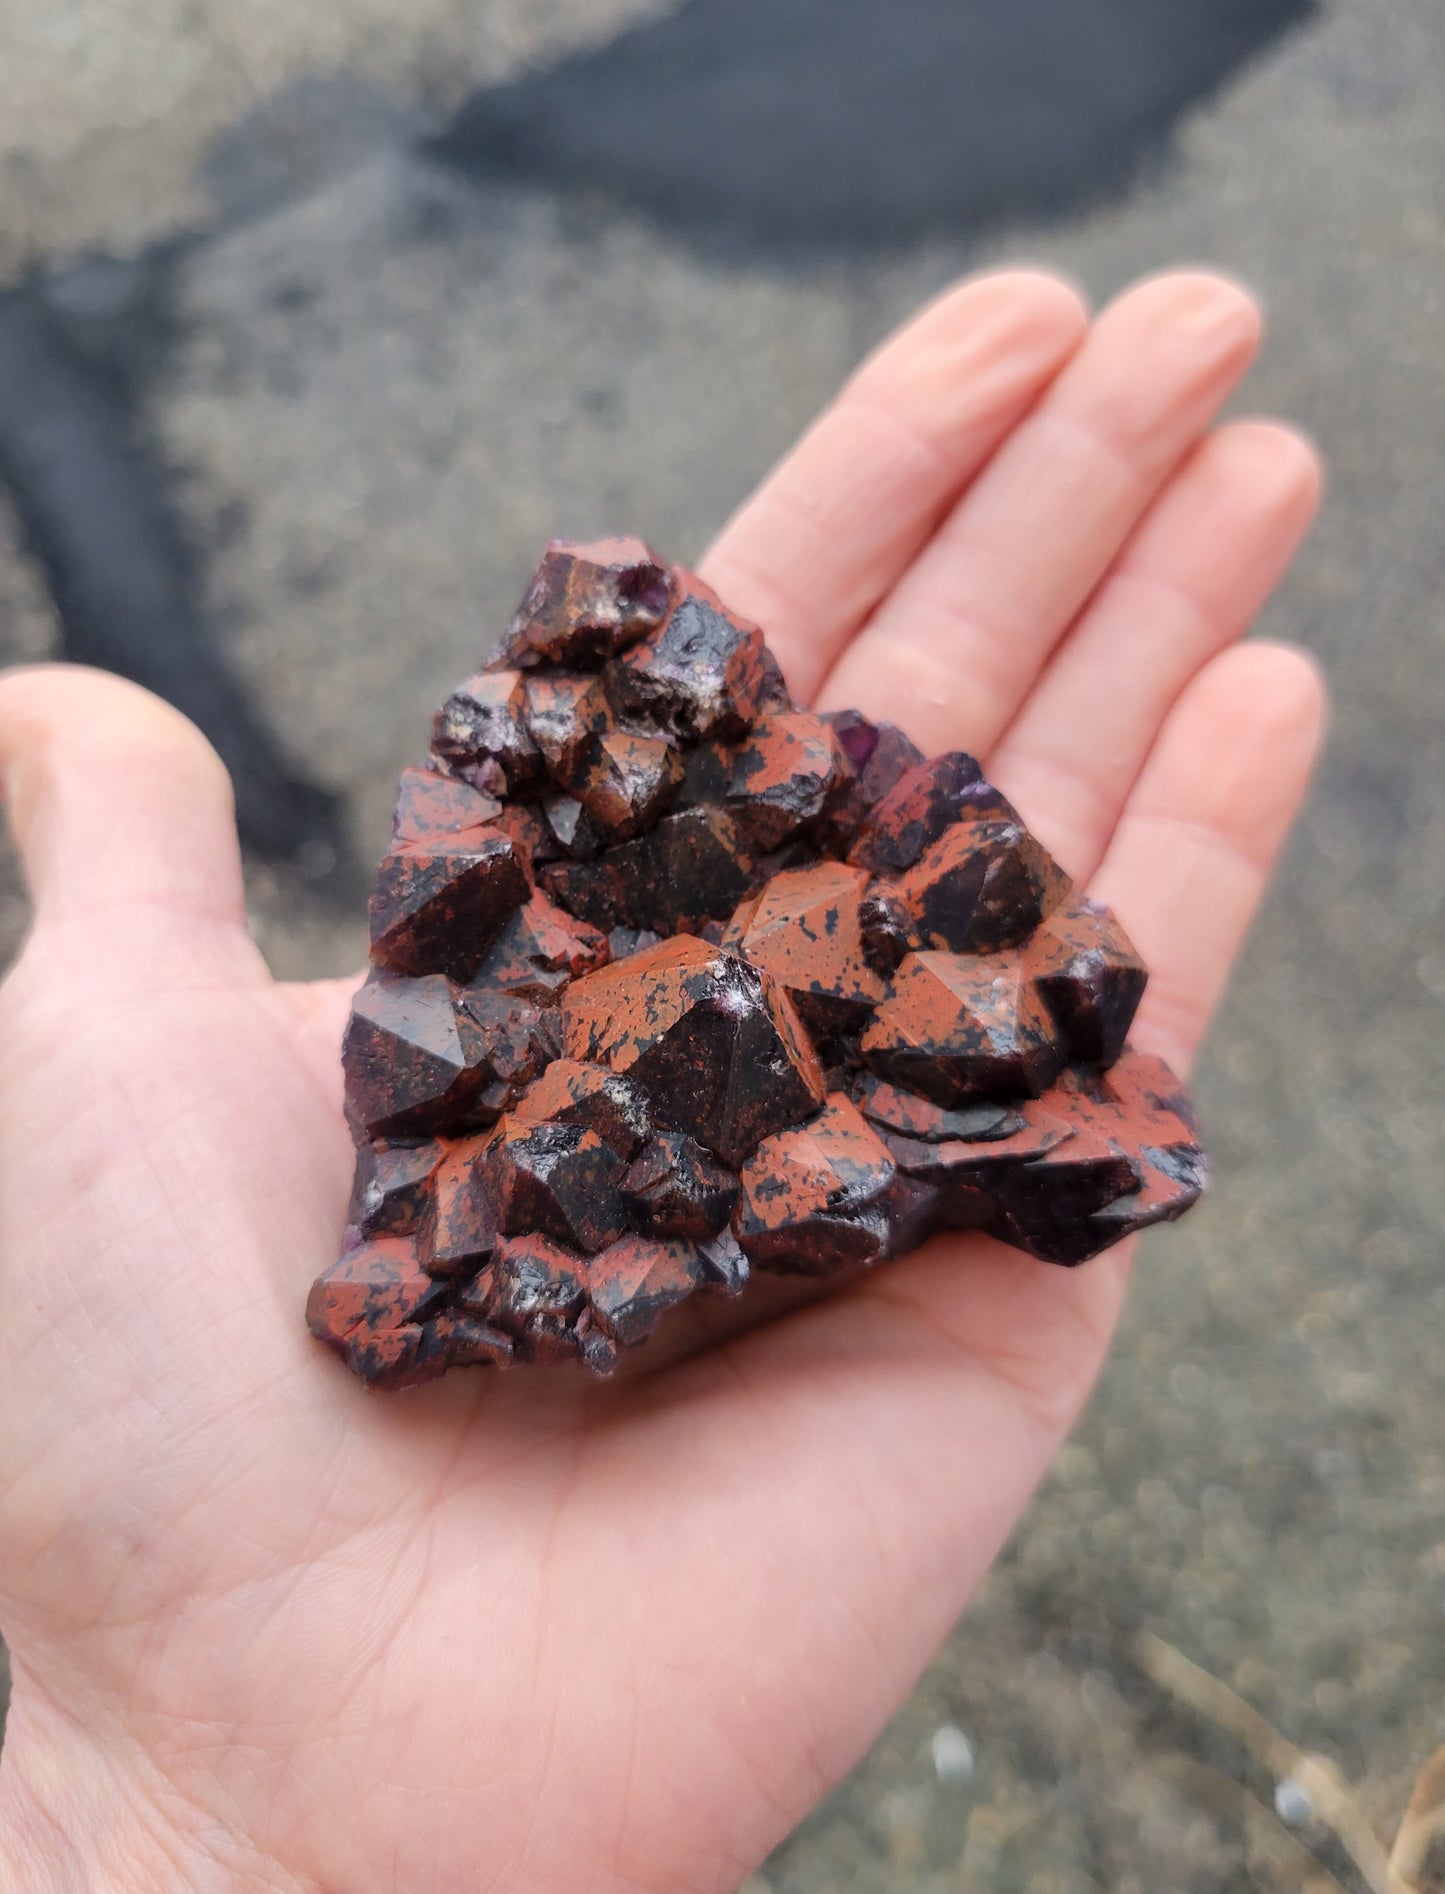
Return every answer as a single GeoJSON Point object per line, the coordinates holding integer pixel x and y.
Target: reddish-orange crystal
{"type": "Point", "coordinates": [673, 981]}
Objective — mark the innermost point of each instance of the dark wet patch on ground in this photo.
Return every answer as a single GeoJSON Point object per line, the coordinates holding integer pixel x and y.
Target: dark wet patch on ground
{"type": "Point", "coordinates": [795, 124]}
{"type": "Point", "coordinates": [98, 514]}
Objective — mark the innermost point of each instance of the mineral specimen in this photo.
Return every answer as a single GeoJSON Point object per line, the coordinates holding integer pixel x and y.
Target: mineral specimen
{"type": "Point", "coordinates": [673, 981]}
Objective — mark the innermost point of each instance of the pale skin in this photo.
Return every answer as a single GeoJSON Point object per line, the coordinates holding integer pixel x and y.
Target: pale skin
{"type": "Point", "coordinates": [522, 1632]}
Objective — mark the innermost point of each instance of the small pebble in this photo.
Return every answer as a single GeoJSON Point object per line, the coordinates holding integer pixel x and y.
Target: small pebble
{"type": "Point", "coordinates": [952, 1754]}
{"type": "Point", "coordinates": [1189, 1384]}
{"type": "Point", "coordinates": [316, 857]}
{"type": "Point", "coordinates": [1293, 1803]}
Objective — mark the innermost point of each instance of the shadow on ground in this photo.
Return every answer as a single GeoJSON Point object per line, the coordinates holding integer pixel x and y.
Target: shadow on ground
{"type": "Point", "coordinates": [780, 126]}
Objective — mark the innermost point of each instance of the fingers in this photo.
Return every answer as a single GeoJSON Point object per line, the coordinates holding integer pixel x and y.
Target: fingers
{"type": "Point", "coordinates": [833, 528]}
{"type": "Point", "coordinates": [119, 806]}
{"type": "Point", "coordinates": [902, 1425]}
{"type": "Point", "coordinates": [1190, 581]}
{"type": "Point", "coordinates": [1193, 850]}
{"type": "Point", "coordinates": [908, 1419]}
{"type": "Point", "coordinates": [954, 649]}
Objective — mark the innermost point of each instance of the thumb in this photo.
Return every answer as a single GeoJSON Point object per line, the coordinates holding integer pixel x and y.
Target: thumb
{"type": "Point", "coordinates": [121, 809]}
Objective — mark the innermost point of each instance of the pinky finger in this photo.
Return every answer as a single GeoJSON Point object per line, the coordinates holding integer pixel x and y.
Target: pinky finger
{"type": "Point", "coordinates": [1193, 850]}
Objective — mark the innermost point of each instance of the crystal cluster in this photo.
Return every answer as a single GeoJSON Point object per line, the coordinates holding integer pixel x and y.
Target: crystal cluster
{"type": "Point", "coordinates": [672, 981]}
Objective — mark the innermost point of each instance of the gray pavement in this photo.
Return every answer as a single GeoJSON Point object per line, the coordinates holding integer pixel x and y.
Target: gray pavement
{"type": "Point", "coordinates": [391, 385]}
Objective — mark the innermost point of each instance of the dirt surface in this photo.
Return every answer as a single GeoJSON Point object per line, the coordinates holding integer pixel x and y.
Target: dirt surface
{"type": "Point", "coordinates": [387, 383]}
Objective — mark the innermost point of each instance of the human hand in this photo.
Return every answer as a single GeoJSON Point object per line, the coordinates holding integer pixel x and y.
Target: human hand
{"type": "Point", "coordinates": [270, 1631]}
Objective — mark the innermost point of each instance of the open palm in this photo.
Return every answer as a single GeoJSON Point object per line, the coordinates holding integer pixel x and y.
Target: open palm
{"type": "Point", "coordinates": [269, 1630]}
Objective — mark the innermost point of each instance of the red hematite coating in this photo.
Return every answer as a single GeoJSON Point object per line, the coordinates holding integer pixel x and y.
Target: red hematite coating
{"type": "Point", "coordinates": [587, 602]}
{"type": "Point", "coordinates": [815, 1197]}
{"type": "Point", "coordinates": [540, 951]}
{"type": "Point", "coordinates": [429, 804]}
{"type": "Point", "coordinates": [784, 775]}
{"type": "Point", "coordinates": [439, 903]}
{"type": "Point", "coordinates": [673, 981]}
{"type": "Point", "coordinates": [805, 930]}
{"type": "Point", "coordinates": [961, 1026]}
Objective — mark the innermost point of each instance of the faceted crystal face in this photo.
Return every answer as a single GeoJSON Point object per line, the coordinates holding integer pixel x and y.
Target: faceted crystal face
{"type": "Point", "coordinates": [675, 1187]}
{"type": "Point", "coordinates": [959, 1027]}
{"type": "Point", "coordinates": [712, 1041]}
{"type": "Point", "coordinates": [784, 775]}
{"type": "Point", "coordinates": [540, 951]}
{"type": "Point", "coordinates": [439, 903]}
{"type": "Point", "coordinates": [701, 673]}
{"type": "Point", "coordinates": [816, 1198]}
{"type": "Point", "coordinates": [673, 981]}
{"type": "Point", "coordinates": [586, 602]}
{"type": "Point", "coordinates": [412, 1058]}
{"type": "Point", "coordinates": [805, 929]}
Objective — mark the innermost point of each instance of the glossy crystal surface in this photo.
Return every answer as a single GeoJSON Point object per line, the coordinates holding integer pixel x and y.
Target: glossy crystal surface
{"type": "Point", "coordinates": [673, 981]}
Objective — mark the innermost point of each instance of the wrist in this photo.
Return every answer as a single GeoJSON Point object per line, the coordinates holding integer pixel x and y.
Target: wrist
{"type": "Point", "coordinates": [35, 1856]}
{"type": "Point", "coordinates": [72, 1818]}
{"type": "Point", "coordinates": [45, 1840]}
{"type": "Point", "coordinates": [63, 1828]}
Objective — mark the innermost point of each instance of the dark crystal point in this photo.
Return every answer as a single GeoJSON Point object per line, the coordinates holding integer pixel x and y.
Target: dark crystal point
{"type": "Point", "coordinates": [481, 730]}
{"type": "Point", "coordinates": [414, 1060]}
{"type": "Point", "coordinates": [1090, 978]}
{"type": "Point", "coordinates": [437, 907]}
{"type": "Point", "coordinates": [674, 1187]}
{"type": "Point", "coordinates": [575, 835]}
{"type": "Point", "coordinates": [571, 1092]}
{"type": "Point", "coordinates": [540, 951]}
{"type": "Point", "coordinates": [806, 929]}
{"type": "Point", "coordinates": [371, 1307]}
{"type": "Point", "coordinates": [392, 1187]}
{"type": "Point", "coordinates": [815, 1198]}
{"type": "Point", "coordinates": [378, 1286]}
{"type": "Point", "coordinates": [516, 1045]}
{"type": "Point", "coordinates": [711, 1040]}
{"type": "Point", "coordinates": [985, 884]}
{"type": "Point", "coordinates": [586, 602]}
{"type": "Point", "coordinates": [430, 806]}
{"type": "Point", "coordinates": [879, 754]}
{"type": "Point", "coordinates": [701, 674]}
{"type": "Point", "coordinates": [537, 1295]}
{"type": "Point", "coordinates": [957, 1027]}
{"type": "Point", "coordinates": [564, 713]}
{"type": "Point", "coordinates": [636, 1281]}
{"type": "Point", "coordinates": [673, 981]}
{"type": "Point", "coordinates": [921, 804]}
{"type": "Point", "coordinates": [560, 1179]}
{"type": "Point", "coordinates": [462, 1230]}
{"type": "Point", "coordinates": [784, 776]}
{"type": "Point", "coordinates": [692, 868]}
{"type": "Point", "coordinates": [857, 737]}
{"type": "Point", "coordinates": [625, 781]}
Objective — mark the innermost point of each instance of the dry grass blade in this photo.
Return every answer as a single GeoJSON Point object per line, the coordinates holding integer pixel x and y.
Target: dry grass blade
{"type": "Point", "coordinates": [1317, 1775]}
{"type": "Point", "coordinates": [1300, 1871]}
{"type": "Point", "coordinates": [1422, 1824]}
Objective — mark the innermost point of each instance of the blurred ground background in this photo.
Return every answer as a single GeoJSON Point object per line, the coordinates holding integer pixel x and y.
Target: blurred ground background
{"type": "Point", "coordinates": [357, 389]}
